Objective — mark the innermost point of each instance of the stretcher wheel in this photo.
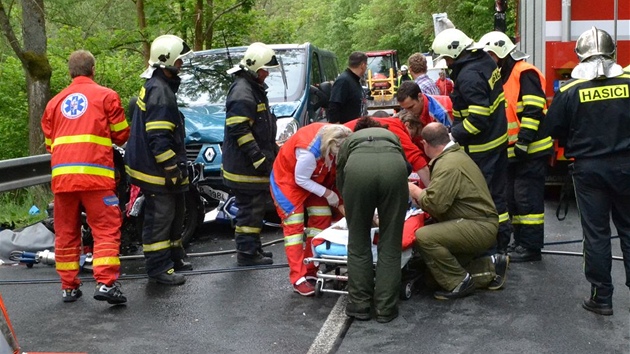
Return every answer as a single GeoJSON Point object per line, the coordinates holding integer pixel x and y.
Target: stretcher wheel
{"type": "Point", "coordinates": [406, 289]}
{"type": "Point", "coordinates": [319, 285]}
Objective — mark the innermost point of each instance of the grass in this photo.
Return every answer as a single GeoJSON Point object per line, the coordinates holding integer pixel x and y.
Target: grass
{"type": "Point", "coordinates": [15, 206]}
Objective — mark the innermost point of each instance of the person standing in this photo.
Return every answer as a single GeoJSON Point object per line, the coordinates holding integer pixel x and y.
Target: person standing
{"type": "Point", "coordinates": [528, 147]}
{"type": "Point", "coordinates": [418, 70]}
{"type": "Point", "coordinates": [347, 99]}
{"type": "Point", "coordinates": [444, 84]}
{"type": "Point", "coordinates": [459, 199]}
{"type": "Point", "coordinates": [249, 150]}
{"type": "Point", "coordinates": [366, 159]}
{"type": "Point", "coordinates": [480, 125]}
{"type": "Point", "coordinates": [80, 124]}
{"type": "Point", "coordinates": [155, 160]}
{"type": "Point", "coordinates": [590, 115]}
{"type": "Point", "coordinates": [404, 75]}
{"type": "Point", "coordinates": [302, 187]}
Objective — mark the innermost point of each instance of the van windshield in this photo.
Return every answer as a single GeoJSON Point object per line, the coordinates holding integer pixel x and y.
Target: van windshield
{"type": "Point", "coordinates": [205, 81]}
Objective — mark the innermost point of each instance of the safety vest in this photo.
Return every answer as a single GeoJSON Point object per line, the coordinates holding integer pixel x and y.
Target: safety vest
{"type": "Point", "coordinates": [512, 89]}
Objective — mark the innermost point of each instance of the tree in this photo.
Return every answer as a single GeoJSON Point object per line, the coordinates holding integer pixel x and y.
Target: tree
{"type": "Point", "coordinates": [32, 55]}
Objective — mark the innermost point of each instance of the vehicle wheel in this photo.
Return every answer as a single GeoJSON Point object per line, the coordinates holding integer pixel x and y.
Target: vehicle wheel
{"type": "Point", "coordinates": [319, 285]}
{"type": "Point", "coordinates": [191, 219]}
{"type": "Point", "coordinates": [406, 289]}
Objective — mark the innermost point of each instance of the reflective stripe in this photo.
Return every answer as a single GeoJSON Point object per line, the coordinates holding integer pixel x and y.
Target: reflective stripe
{"type": "Point", "coordinates": [258, 163]}
{"type": "Point", "coordinates": [513, 129]}
{"type": "Point", "coordinates": [530, 123]}
{"type": "Point", "coordinates": [165, 156]}
{"type": "Point", "coordinates": [141, 103]}
{"type": "Point", "coordinates": [292, 240]}
{"type": "Point", "coordinates": [519, 107]}
{"type": "Point", "coordinates": [261, 107]}
{"type": "Point", "coordinates": [504, 217]}
{"type": "Point", "coordinates": [47, 141]}
{"type": "Point", "coordinates": [248, 230]}
{"type": "Point", "coordinates": [176, 243]}
{"type": "Point", "coordinates": [532, 100]}
{"type": "Point", "coordinates": [319, 211]}
{"type": "Point", "coordinates": [480, 110]}
{"type": "Point", "coordinates": [158, 246]}
{"type": "Point", "coordinates": [236, 120]}
{"type": "Point", "coordinates": [160, 125]}
{"type": "Point", "coordinates": [489, 145]}
{"type": "Point", "coordinates": [67, 265]}
{"type": "Point", "coordinates": [470, 127]}
{"type": "Point", "coordinates": [157, 180]}
{"type": "Point", "coordinates": [118, 126]}
{"type": "Point", "coordinates": [245, 139]}
{"type": "Point", "coordinates": [85, 138]}
{"type": "Point", "coordinates": [460, 114]}
{"type": "Point", "coordinates": [243, 178]}
{"type": "Point", "coordinates": [571, 84]}
{"type": "Point", "coordinates": [95, 170]}
{"type": "Point", "coordinates": [105, 261]}
{"type": "Point", "coordinates": [530, 219]}
{"type": "Point", "coordinates": [312, 232]}
{"type": "Point", "coordinates": [294, 219]}
{"type": "Point", "coordinates": [540, 145]}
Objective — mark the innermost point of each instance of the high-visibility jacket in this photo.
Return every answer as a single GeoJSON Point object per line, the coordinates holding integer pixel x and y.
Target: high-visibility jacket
{"type": "Point", "coordinates": [286, 193]}
{"type": "Point", "coordinates": [526, 107]}
{"type": "Point", "coordinates": [80, 124]}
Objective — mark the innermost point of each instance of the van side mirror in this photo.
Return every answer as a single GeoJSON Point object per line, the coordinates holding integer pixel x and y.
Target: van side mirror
{"type": "Point", "coordinates": [320, 96]}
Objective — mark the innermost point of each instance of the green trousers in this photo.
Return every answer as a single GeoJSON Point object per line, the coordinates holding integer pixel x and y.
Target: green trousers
{"type": "Point", "coordinates": [453, 248]}
{"type": "Point", "coordinates": [375, 180]}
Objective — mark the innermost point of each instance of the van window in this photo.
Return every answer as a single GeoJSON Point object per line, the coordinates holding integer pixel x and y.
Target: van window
{"type": "Point", "coordinates": [316, 76]}
{"type": "Point", "coordinates": [331, 70]}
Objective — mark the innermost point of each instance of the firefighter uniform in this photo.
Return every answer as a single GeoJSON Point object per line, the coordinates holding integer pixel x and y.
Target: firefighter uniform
{"type": "Point", "coordinates": [366, 159]}
{"type": "Point", "coordinates": [156, 143]}
{"type": "Point", "coordinates": [528, 151]}
{"type": "Point", "coordinates": [592, 118]}
{"type": "Point", "coordinates": [480, 127]}
{"type": "Point", "coordinates": [249, 150]}
{"type": "Point", "coordinates": [292, 201]}
{"type": "Point", "coordinates": [80, 124]}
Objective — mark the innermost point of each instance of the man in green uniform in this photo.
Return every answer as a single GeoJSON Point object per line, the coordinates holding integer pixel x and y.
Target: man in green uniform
{"type": "Point", "coordinates": [459, 199]}
{"type": "Point", "coordinates": [372, 174]}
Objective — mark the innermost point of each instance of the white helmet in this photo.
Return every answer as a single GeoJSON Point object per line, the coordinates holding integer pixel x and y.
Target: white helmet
{"type": "Point", "coordinates": [450, 43]}
{"type": "Point", "coordinates": [404, 68]}
{"type": "Point", "coordinates": [595, 42]}
{"type": "Point", "coordinates": [259, 56]}
{"type": "Point", "coordinates": [500, 44]}
{"type": "Point", "coordinates": [166, 49]}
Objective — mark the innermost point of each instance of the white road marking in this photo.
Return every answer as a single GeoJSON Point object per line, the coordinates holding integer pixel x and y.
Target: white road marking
{"type": "Point", "coordinates": [332, 328]}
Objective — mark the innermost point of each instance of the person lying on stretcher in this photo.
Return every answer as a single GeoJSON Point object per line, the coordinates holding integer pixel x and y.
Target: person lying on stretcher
{"type": "Point", "coordinates": [467, 221]}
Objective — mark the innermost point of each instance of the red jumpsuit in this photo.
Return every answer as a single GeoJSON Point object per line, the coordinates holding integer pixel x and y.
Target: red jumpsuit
{"type": "Point", "coordinates": [80, 124]}
{"type": "Point", "coordinates": [292, 201]}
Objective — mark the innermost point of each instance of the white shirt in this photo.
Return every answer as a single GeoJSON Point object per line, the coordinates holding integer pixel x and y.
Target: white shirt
{"type": "Point", "coordinates": [304, 168]}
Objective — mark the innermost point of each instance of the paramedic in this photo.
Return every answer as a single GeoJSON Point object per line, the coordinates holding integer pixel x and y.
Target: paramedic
{"type": "Point", "coordinates": [302, 187]}
{"type": "Point", "coordinates": [467, 221]}
{"type": "Point", "coordinates": [426, 108]}
{"type": "Point", "coordinates": [479, 109]}
{"type": "Point", "coordinates": [366, 159]}
{"type": "Point", "coordinates": [414, 154]}
{"type": "Point", "coordinates": [590, 115]}
{"type": "Point", "coordinates": [80, 124]}
{"type": "Point", "coordinates": [250, 149]}
{"type": "Point", "coordinates": [528, 147]}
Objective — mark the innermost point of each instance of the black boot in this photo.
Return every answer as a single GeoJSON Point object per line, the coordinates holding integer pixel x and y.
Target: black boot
{"type": "Point", "coordinates": [180, 265]}
{"type": "Point", "coordinates": [265, 253]}
{"type": "Point", "coordinates": [522, 254]}
{"type": "Point", "coordinates": [246, 260]}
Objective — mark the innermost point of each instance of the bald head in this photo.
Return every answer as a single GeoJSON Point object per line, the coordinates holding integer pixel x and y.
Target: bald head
{"type": "Point", "coordinates": [436, 137]}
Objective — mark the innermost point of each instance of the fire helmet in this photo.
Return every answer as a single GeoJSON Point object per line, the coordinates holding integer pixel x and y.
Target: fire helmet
{"type": "Point", "coordinates": [595, 42]}
{"type": "Point", "coordinates": [450, 43]}
{"type": "Point", "coordinates": [166, 49]}
{"type": "Point", "coordinates": [259, 56]}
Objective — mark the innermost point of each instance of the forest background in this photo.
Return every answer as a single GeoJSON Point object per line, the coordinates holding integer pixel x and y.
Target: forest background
{"type": "Point", "coordinates": [38, 35]}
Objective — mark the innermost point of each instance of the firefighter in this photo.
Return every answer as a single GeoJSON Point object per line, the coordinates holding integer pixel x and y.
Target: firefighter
{"type": "Point", "coordinates": [480, 126]}
{"type": "Point", "coordinates": [302, 186]}
{"type": "Point", "coordinates": [80, 124]}
{"type": "Point", "coordinates": [590, 115]}
{"type": "Point", "coordinates": [250, 149]}
{"type": "Point", "coordinates": [404, 75]}
{"type": "Point", "coordinates": [156, 161]}
{"type": "Point", "coordinates": [528, 147]}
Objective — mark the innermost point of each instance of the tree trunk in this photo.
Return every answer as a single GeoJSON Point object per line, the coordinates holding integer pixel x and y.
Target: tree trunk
{"type": "Point", "coordinates": [208, 33]}
{"type": "Point", "coordinates": [142, 26]}
{"type": "Point", "coordinates": [198, 45]}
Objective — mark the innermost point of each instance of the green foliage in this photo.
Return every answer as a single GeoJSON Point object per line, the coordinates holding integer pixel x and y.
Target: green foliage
{"type": "Point", "coordinates": [13, 110]}
{"type": "Point", "coordinates": [15, 205]}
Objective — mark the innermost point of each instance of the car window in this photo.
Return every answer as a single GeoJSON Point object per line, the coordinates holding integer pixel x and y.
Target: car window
{"type": "Point", "coordinates": [206, 82]}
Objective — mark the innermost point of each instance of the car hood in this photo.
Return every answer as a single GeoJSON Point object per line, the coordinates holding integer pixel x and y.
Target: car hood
{"type": "Point", "coordinates": [205, 124]}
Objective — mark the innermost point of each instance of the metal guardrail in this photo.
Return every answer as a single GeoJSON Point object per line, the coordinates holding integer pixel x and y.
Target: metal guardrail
{"type": "Point", "coordinates": [24, 172]}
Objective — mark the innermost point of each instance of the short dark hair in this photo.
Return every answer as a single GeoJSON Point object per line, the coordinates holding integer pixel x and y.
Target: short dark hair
{"type": "Point", "coordinates": [81, 63]}
{"type": "Point", "coordinates": [408, 88]}
{"type": "Point", "coordinates": [356, 59]}
{"type": "Point", "coordinates": [367, 122]}
{"type": "Point", "coordinates": [435, 134]}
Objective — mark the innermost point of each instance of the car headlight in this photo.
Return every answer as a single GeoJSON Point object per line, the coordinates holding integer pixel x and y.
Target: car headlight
{"type": "Point", "coordinates": [286, 128]}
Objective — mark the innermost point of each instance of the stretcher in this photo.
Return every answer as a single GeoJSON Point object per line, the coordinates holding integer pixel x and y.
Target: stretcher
{"type": "Point", "coordinates": [330, 249]}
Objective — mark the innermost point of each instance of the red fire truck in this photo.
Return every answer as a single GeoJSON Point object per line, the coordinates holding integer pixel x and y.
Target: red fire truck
{"type": "Point", "coordinates": [548, 30]}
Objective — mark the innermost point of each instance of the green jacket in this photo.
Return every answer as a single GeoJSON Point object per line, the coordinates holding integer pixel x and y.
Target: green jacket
{"type": "Point", "coordinates": [457, 190]}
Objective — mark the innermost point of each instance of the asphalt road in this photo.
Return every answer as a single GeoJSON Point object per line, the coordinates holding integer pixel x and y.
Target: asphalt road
{"type": "Point", "coordinates": [225, 309]}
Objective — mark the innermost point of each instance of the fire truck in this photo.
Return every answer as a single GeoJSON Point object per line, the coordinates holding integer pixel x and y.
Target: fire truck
{"type": "Point", "coordinates": [548, 29]}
